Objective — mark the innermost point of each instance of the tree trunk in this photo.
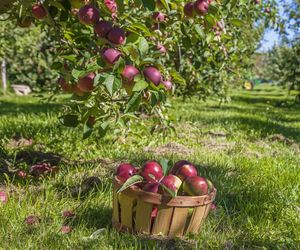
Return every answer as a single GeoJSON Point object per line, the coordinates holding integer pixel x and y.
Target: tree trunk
{"type": "Point", "coordinates": [3, 75]}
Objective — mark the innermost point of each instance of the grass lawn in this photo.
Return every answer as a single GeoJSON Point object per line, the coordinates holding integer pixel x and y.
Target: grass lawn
{"type": "Point", "coordinates": [249, 148]}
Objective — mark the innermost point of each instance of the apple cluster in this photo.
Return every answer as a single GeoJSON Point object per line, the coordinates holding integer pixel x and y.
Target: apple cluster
{"type": "Point", "coordinates": [200, 8]}
{"type": "Point", "coordinates": [182, 178]}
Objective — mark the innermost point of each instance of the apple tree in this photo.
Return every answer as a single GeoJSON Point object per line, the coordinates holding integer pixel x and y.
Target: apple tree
{"type": "Point", "coordinates": [120, 59]}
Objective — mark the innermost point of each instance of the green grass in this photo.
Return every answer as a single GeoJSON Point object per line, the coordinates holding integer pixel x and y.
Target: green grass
{"type": "Point", "coordinates": [256, 173]}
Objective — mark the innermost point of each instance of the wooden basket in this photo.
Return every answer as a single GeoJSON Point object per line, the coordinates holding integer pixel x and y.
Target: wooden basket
{"type": "Point", "coordinates": [132, 209]}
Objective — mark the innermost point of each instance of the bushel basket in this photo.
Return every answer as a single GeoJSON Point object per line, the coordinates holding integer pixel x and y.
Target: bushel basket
{"type": "Point", "coordinates": [137, 211]}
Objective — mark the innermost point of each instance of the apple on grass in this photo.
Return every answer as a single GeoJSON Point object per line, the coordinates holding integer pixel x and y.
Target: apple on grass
{"type": "Point", "coordinates": [195, 186]}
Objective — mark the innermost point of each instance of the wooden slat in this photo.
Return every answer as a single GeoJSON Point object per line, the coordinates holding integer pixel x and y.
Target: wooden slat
{"type": "Point", "coordinates": [116, 216]}
{"type": "Point", "coordinates": [178, 221]}
{"type": "Point", "coordinates": [143, 217]}
{"type": "Point", "coordinates": [196, 220]}
{"type": "Point", "coordinates": [126, 204]}
{"type": "Point", "coordinates": [162, 220]}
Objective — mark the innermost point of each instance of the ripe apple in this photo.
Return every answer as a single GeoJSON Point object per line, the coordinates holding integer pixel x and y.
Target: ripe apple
{"type": "Point", "coordinates": [111, 56]}
{"type": "Point", "coordinates": [129, 73]}
{"type": "Point", "coordinates": [24, 22]}
{"type": "Point", "coordinates": [88, 15]}
{"type": "Point", "coordinates": [102, 28]}
{"type": "Point", "coordinates": [152, 171]}
{"type": "Point", "coordinates": [124, 171]}
{"type": "Point", "coordinates": [111, 5]}
{"type": "Point", "coordinates": [3, 197]}
{"type": "Point", "coordinates": [172, 182]}
{"type": "Point", "coordinates": [64, 85]}
{"type": "Point", "coordinates": [86, 83]}
{"type": "Point", "coordinates": [38, 11]}
{"type": "Point", "coordinates": [267, 10]}
{"type": "Point", "coordinates": [162, 49]}
{"type": "Point", "coordinates": [195, 186]}
{"type": "Point", "coordinates": [168, 84]}
{"type": "Point", "coordinates": [189, 10]}
{"type": "Point", "coordinates": [153, 75]}
{"type": "Point", "coordinates": [183, 169]}
{"type": "Point", "coordinates": [158, 17]}
{"type": "Point", "coordinates": [151, 187]}
{"type": "Point", "coordinates": [78, 91]}
{"type": "Point", "coordinates": [116, 36]}
{"type": "Point", "coordinates": [201, 7]}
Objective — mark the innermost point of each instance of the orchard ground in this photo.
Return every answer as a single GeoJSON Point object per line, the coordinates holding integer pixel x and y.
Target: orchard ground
{"type": "Point", "coordinates": [249, 148]}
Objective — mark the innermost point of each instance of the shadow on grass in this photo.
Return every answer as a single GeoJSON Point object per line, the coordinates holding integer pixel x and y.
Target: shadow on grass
{"type": "Point", "coordinates": [13, 108]}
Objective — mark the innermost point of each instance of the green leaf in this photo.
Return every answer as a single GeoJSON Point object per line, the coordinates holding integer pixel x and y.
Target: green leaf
{"type": "Point", "coordinates": [171, 192]}
{"type": "Point", "coordinates": [120, 4]}
{"type": "Point", "coordinates": [133, 102]}
{"type": "Point", "coordinates": [87, 131]}
{"type": "Point", "coordinates": [140, 85]}
{"type": "Point", "coordinates": [165, 4]}
{"type": "Point", "coordinates": [143, 46]}
{"type": "Point", "coordinates": [149, 4]}
{"type": "Point", "coordinates": [78, 73]}
{"type": "Point", "coordinates": [132, 38]}
{"type": "Point", "coordinates": [199, 31]}
{"type": "Point", "coordinates": [237, 22]}
{"type": "Point", "coordinates": [165, 165]}
{"type": "Point", "coordinates": [141, 27]}
{"type": "Point", "coordinates": [177, 77]}
{"type": "Point", "coordinates": [131, 181]}
{"type": "Point", "coordinates": [69, 120]}
{"type": "Point", "coordinates": [56, 65]}
{"type": "Point", "coordinates": [112, 84]}
{"type": "Point", "coordinates": [119, 65]}
{"type": "Point", "coordinates": [103, 129]}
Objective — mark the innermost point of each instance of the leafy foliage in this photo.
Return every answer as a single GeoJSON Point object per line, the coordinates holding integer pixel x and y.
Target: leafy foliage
{"type": "Point", "coordinates": [202, 55]}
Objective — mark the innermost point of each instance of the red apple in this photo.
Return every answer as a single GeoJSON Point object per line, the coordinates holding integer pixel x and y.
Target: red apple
{"type": "Point", "coordinates": [111, 5]}
{"type": "Point", "coordinates": [68, 214]}
{"type": "Point", "coordinates": [162, 49]}
{"type": "Point", "coordinates": [158, 17]}
{"type": "Point", "coordinates": [195, 186]}
{"type": "Point", "coordinates": [267, 10]}
{"type": "Point", "coordinates": [189, 10]}
{"type": "Point", "coordinates": [152, 171]}
{"type": "Point", "coordinates": [38, 11]}
{"type": "Point", "coordinates": [129, 73]}
{"type": "Point", "coordinates": [22, 174]}
{"type": "Point", "coordinates": [78, 91]}
{"type": "Point", "coordinates": [201, 7]}
{"type": "Point", "coordinates": [124, 171]}
{"type": "Point", "coordinates": [66, 229]}
{"type": "Point", "coordinates": [64, 85]}
{"type": "Point", "coordinates": [172, 182]}
{"type": "Point", "coordinates": [111, 56]}
{"type": "Point", "coordinates": [153, 75]}
{"type": "Point", "coordinates": [88, 15]}
{"type": "Point", "coordinates": [187, 170]}
{"type": "Point", "coordinates": [168, 85]}
{"type": "Point", "coordinates": [151, 187]}
{"type": "Point", "coordinates": [32, 220]}
{"type": "Point", "coordinates": [116, 36]}
{"type": "Point", "coordinates": [86, 83]}
{"type": "Point", "coordinates": [24, 22]}
{"type": "Point", "coordinates": [257, 1]}
{"type": "Point", "coordinates": [102, 28]}
{"type": "Point", "coordinates": [3, 197]}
